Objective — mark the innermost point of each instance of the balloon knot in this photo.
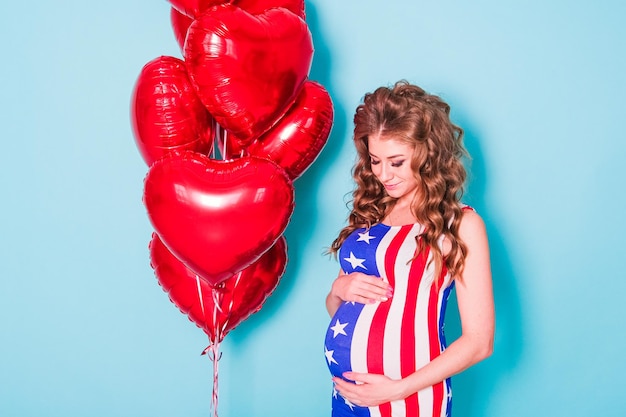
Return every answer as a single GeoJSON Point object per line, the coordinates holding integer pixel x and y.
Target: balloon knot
{"type": "Point", "coordinates": [210, 351]}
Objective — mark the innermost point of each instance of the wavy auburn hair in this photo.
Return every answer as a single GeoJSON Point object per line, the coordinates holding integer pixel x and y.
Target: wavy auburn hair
{"type": "Point", "coordinates": [405, 112]}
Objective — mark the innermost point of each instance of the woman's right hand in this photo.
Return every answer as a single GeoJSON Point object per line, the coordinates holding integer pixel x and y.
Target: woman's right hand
{"type": "Point", "coordinates": [357, 287]}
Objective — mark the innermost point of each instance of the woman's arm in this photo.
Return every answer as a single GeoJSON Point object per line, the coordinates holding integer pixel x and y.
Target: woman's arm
{"type": "Point", "coordinates": [356, 287]}
{"type": "Point", "coordinates": [476, 309]}
{"type": "Point", "coordinates": [332, 300]}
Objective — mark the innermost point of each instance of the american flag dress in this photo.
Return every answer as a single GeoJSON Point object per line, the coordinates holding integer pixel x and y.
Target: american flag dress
{"type": "Point", "coordinates": [396, 337]}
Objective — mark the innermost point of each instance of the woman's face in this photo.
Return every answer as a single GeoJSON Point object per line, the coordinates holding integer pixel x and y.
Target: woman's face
{"type": "Point", "coordinates": [391, 164]}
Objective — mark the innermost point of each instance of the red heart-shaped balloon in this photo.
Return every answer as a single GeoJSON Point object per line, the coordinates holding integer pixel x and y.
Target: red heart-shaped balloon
{"type": "Point", "coordinates": [166, 114]}
{"type": "Point", "coordinates": [218, 217]}
{"type": "Point", "coordinates": [193, 8]}
{"type": "Point", "coordinates": [297, 138]}
{"type": "Point", "coordinates": [219, 309]}
{"type": "Point", "coordinates": [248, 69]}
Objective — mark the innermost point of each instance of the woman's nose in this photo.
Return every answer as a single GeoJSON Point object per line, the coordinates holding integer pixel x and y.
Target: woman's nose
{"type": "Point", "coordinates": [385, 173]}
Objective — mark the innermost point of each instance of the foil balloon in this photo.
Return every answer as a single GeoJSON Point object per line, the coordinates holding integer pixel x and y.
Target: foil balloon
{"type": "Point", "coordinates": [218, 309]}
{"type": "Point", "coordinates": [299, 136]}
{"type": "Point", "coordinates": [248, 69]}
{"type": "Point", "coordinates": [180, 23]}
{"type": "Point", "coordinates": [218, 217]}
{"type": "Point", "coordinates": [194, 8]}
{"type": "Point", "coordinates": [166, 114]}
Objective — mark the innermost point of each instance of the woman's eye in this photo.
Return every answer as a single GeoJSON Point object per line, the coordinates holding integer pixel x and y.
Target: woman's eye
{"type": "Point", "coordinates": [397, 164]}
{"type": "Point", "coordinates": [374, 162]}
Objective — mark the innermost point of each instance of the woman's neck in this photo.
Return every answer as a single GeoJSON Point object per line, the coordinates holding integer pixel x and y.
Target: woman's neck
{"type": "Point", "coordinates": [400, 214]}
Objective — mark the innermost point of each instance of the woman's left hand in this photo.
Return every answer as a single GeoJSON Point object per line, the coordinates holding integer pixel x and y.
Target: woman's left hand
{"type": "Point", "coordinates": [370, 389]}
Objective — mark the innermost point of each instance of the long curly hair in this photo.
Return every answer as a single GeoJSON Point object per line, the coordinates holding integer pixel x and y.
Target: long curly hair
{"type": "Point", "coordinates": [407, 113]}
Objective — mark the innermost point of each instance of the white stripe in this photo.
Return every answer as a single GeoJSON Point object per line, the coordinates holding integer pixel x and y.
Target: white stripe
{"type": "Point", "coordinates": [358, 350]}
{"type": "Point", "coordinates": [393, 327]}
{"type": "Point", "coordinates": [425, 398]}
{"type": "Point", "coordinates": [381, 251]}
{"type": "Point", "coordinates": [422, 342]}
{"type": "Point", "coordinates": [398, 409]}
{"type": "Point", "coordinates": [375, 411]}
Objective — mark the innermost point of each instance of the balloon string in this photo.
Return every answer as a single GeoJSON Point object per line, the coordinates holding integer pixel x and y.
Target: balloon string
{"type": "Point", "coordinates": [232, 301]}
{"type": "Point", "coordinates": [200, 295]}
{"type": "Point", "coordinates": [213, 150]}
{"type": "Point", "coordinates": [213, 350]}
{"type": "Point", "coordinates": [223, 135]}
{"type": "Point", "coordinates": [217, 303]}
{"type": "Point", "coordinates": [219, 138]}
{"type": "Point", "coordinates": [215, 355]}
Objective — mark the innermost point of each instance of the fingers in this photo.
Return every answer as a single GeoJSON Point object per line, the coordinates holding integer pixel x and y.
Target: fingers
{"type": "Point", "coordinates": [355, 376]}
{"type": "Point", "coordinates": [346, 390]}
{"type": "Point", "coordinates": [365, 378]}
{"type": "Point", "coordinates": [351, 392]}
{"type": "Point", "coordinates": [361, 288]}
{"type": "Point", "coordinates": [366, 296]}
{"type": "Point", "coordinates": [367, 389]}
{"type": "Point", "coordinates": [372, 288]}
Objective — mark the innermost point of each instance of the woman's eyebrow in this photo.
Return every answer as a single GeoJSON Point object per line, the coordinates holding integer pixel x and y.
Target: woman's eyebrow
{"type": "Point", "coordinates": [388, 157]}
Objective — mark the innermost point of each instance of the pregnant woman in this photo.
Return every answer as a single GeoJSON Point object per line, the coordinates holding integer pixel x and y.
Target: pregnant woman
{"type": "Point", "coordinates": [409, 241]}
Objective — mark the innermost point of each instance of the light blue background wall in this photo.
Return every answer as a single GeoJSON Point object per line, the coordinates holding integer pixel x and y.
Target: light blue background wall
{"type": "Point", "coordinates": [86, 331]}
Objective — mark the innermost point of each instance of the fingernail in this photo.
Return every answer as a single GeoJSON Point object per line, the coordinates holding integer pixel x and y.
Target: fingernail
{"type": "Point", "coordinates": [389, 294]}
{"type": "Point", "coordinates": [383, 299]}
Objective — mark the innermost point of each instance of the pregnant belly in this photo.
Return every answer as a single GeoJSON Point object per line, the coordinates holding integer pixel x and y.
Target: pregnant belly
{"type": "Point", "coordinates": [353, 331]}
{"type": "Point", "coordinates": [381, 338]}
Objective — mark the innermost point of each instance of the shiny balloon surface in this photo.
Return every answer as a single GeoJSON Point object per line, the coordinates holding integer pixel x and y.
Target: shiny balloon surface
{"type": "Point", "coordinates": [218, 217]}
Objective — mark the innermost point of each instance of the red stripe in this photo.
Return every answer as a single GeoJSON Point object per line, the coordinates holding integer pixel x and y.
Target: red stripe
{"type": "Point", "coordinates": [376, 334]}
{"type": "Point", "coordinates": [433, 336]}
{"type": "Point", "coordinates": [407, 346]}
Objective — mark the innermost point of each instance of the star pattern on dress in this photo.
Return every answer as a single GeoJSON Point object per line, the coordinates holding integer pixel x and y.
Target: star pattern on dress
{"type": "Point", "coordinates": [329, 356]}
{"type": "Point", "coordinates": [355, 262]}
{"type": "Point", "coordinates": [365, 237]}
{"type": "Point", "coordinates": [338, 328]}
